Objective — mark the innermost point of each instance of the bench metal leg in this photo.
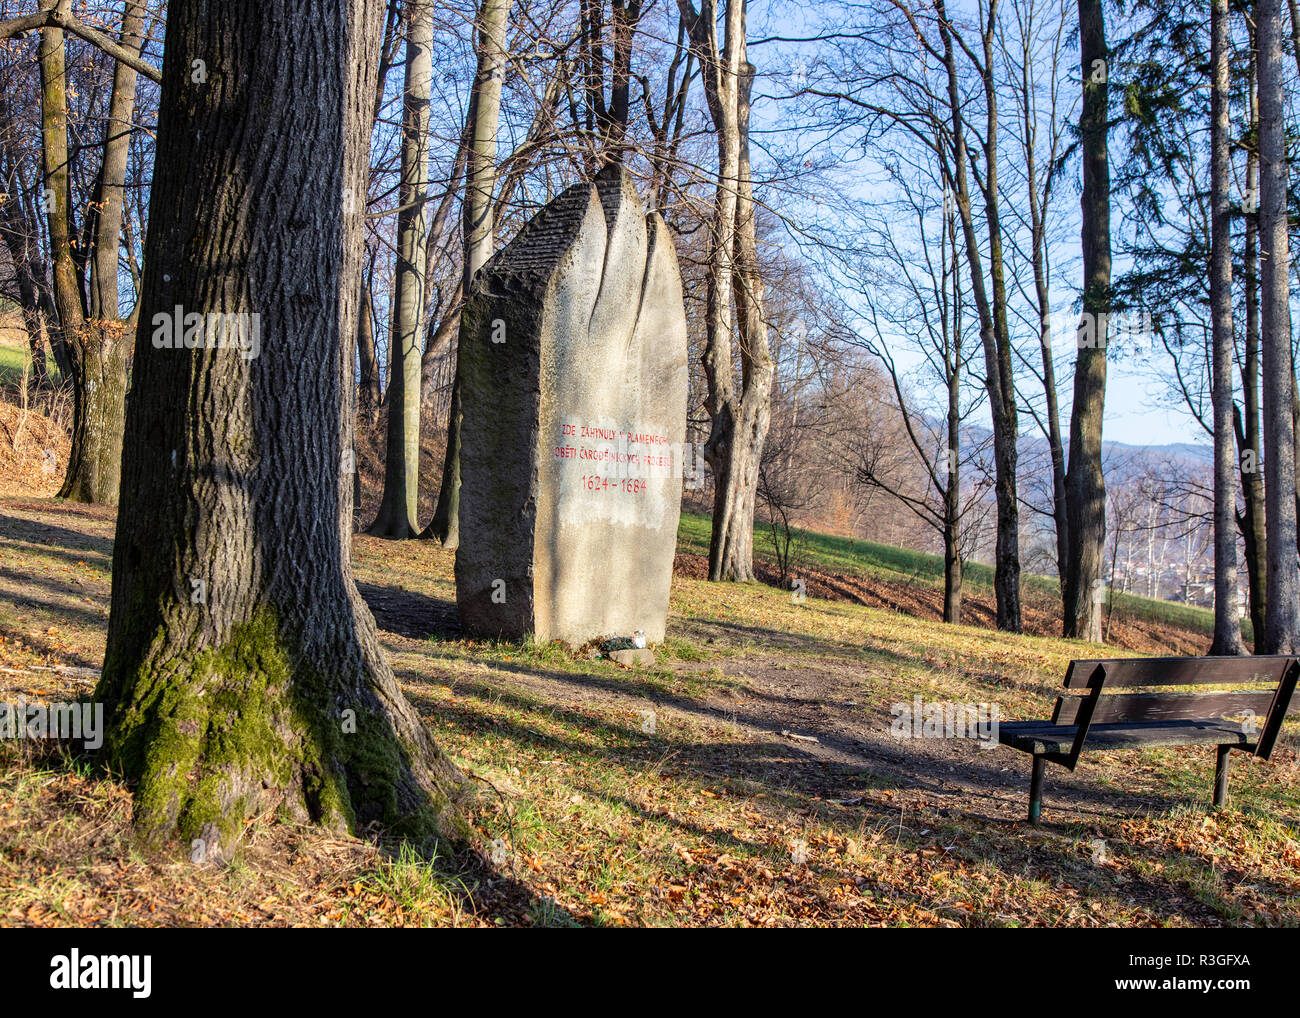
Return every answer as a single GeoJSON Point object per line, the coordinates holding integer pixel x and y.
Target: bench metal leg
{"type": "Point", "coordinates": [1036, 791]}
{"type": "Point", "coordinates": [1221, 775]}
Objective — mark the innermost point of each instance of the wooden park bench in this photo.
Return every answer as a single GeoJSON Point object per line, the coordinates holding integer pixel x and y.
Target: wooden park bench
{"type": "Point", "coordinates": [1102, 717]}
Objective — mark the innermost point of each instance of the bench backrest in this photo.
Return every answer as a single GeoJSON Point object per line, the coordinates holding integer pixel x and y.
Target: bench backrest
{"type": "Point", "coordinates": [1273, 679]}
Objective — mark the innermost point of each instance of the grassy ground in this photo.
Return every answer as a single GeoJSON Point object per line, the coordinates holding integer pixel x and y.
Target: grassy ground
{"type": "Point", "coordinates": [12, 361]}
{"type": "Point", "coordinates": [748, 778]}
{"type": "Point", "coordinates": [15, 358]}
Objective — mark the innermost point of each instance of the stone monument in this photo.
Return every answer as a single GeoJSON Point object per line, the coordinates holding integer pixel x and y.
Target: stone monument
{"type": "Point", "coordinates": [573, 394]}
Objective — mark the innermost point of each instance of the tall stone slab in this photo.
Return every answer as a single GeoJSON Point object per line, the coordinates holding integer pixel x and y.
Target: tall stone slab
{"type": "Point", "coordinates": [573, 389]}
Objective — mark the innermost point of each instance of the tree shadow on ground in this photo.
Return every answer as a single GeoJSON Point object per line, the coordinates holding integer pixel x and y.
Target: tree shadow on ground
{"type": "Point", "coordinates": [987, 780]}
{"type": "Point", "coordinates": [58, 539]}
{"type": "Point", "coordinates": [783, 782]}
{"type": "Point", "coordinates": [409, 614]}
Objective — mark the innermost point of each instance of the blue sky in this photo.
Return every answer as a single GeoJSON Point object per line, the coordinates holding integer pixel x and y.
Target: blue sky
{"type": "Point", "coordinates": [1141, 405]}
{"type": "Point", "coordinates": [1136, 413]}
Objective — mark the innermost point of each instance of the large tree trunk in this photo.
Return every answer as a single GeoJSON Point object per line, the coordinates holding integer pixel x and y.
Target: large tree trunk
{"type": "Point", "coordinates": [1294, 8]}
{"type": "Point", "coordinates": [736, 465]}
{"type": "Point", "coordinates": [1085, 482]}
{"type": "Point", "coordinates": [84, 466]}
{"type": "Point", "coordinates": [480, 232]}
{"type": "Point", "coordinates": [727, 546]}
{"type": "Point", "coordinates": [1282, 613]}
{"type": "Point", "coordinates": [1295, 433]}
{"type": "Point", "coordinates": [98, 355]}
{"type": "Point", "coordinates": [399, 505]}
{"type": "Point", "coordinates": [1227, 627]}
{"type": "Point", "coordinates": [243, 672]}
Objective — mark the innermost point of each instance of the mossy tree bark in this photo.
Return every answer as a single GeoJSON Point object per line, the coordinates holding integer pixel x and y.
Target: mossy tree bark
{"type": "Point", "coordinates": [243, 672]}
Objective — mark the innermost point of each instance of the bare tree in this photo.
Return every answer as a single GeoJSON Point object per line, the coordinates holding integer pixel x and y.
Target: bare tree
{"type": "Point", "coordinates": [58, 15]}
{"type": "Point", "coordinates": [739, 418]}
{"type": "Point", "coordinates": [1246, 420]}
{"type": "Point", "coordinates": [22, 239]}
{"type": "Point", "coordinates": [1282, 613]}
{"type": "Point", "coordinates": [479, 229]}
{"type": "Point", "coordinates": [398, 507]}
{"type": "Point", "coordinates": [990, 297]}
{"type": "Point", "coordinates": [1227, 627]}
{"type": "Point", "coordinates": [1085, 480]}
{"type": "Point", "coordinates": [1038, 194]}
{"type": "Point", "coordinates": [90, 323]}
{"type": "Point", "coordinates": [916, 296]}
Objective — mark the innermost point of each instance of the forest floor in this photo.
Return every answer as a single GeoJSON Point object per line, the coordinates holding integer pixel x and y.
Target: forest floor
{"type": "Point", "coordinates": [750, 777]}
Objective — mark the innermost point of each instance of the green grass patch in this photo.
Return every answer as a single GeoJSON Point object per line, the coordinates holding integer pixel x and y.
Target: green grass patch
{"type": "Point", "coordinates": [853, 557]}
{"type": "Point", "coordinates": [15, 359]}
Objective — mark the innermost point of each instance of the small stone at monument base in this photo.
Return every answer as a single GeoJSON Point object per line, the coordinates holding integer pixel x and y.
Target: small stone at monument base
{"type": "Point", "coordinates": [632, 658]}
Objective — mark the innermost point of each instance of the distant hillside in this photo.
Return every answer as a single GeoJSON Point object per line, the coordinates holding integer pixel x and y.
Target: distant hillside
{"type": "Point", "coordinates": [911, 582]}
{"type": "Point", "coordinates": [1196, 451]}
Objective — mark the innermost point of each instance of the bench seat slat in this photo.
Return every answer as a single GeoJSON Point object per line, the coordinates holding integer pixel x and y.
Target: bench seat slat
{"type": "Point", "coordinates": [1044, 737]}
{"type": "Point", "coordinates": [1177, 671]}
{"type": "Point", "coordinates": [1165, 706]}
